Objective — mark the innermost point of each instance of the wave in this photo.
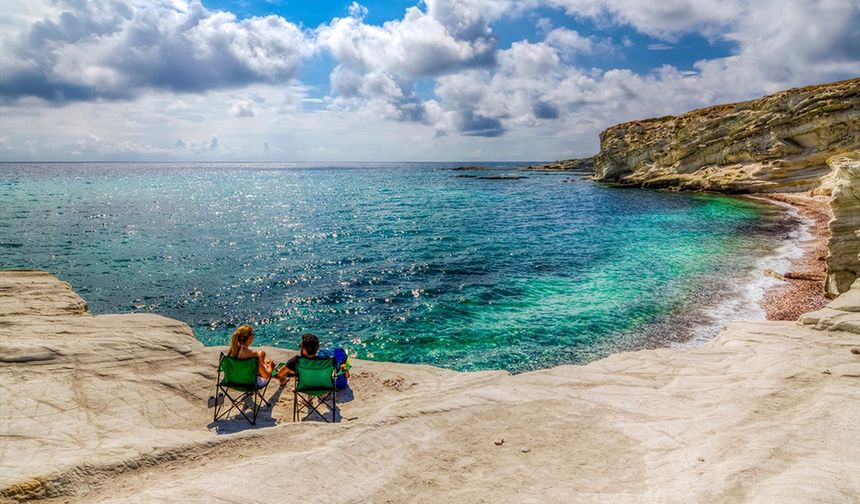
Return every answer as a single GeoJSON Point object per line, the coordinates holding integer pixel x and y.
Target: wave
{"type": "Point", "coordinates": [744, 301]}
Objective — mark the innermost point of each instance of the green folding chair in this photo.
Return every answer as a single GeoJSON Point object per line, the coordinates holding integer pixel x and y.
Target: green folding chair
{"type": "Point", "coordinates": [239, 375]}
{"type": "Point", "coordinates": [315, 383]}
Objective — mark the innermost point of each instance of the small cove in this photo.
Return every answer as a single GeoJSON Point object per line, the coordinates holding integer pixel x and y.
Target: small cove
{"type": "Point", "coordinates": [400, 262]}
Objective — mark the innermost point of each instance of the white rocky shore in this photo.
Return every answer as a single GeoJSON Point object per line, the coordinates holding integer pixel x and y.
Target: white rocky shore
{"type": "Point", "coordinates": [113, 408]}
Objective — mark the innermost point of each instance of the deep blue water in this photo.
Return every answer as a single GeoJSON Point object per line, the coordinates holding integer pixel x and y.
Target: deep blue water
{"type": "Point", "coordinates": [401, 262]}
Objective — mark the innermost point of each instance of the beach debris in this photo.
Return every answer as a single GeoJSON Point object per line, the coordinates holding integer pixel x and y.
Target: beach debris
{"type": "Point", "coordinates": [398, 384]}
{"type": "Point", "coordinates": [855, 351]}
{"type": "Point", "coordinates": [771, 273]}
{"type": "Point", "coordinates": [805, 275]}
{"type": "Point", "coordinates": [826, 371]}
{"type": "Point", "coordinates": [526, 450]}
{"type": "Point", "coordinates": [499, 442]}
{"type": "Point", "coordinates": [700, 459]}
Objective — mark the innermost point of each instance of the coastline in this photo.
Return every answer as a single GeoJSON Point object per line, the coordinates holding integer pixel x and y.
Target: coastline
{"type": "Point", "coordinates": [801, 285]}
{"type": "Point", "coordinates": [118, 414]}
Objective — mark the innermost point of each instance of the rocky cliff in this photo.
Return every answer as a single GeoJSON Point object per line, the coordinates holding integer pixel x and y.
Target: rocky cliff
{"type": "Point", "coordinates": [803, 139]}
{"type": "Point", "coordinates": [777, 143]}
{"type": "Point", "coordinates": [843, 258]}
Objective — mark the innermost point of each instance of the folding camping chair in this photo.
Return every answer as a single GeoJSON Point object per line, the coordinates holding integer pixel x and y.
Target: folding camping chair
{"type": "Point", "coordinates": [239, 375]}
{"type": "Point", "coordinates": [315, 383]}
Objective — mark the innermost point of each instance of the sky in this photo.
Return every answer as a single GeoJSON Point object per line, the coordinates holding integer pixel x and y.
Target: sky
{"type": "Point", "coordinates": [436, 80]}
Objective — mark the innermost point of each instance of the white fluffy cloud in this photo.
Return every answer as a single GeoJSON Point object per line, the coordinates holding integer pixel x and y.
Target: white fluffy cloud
{"type": "Point", "coordinates": [242, 108]}
{"type": "Point", "coordinates": [780, 44]}
{"type": "Point", "coordinates": [377, 65]}
{"type": "Point", "coordinates": [116, 50]}
{"type": "Point", "coordinates": [665, 19]}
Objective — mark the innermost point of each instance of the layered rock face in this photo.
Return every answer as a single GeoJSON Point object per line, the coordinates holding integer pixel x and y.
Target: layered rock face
{"type": "Point", "coordinates": [781, 142]}
{"type": "Point", "coordinates": [843, 259]}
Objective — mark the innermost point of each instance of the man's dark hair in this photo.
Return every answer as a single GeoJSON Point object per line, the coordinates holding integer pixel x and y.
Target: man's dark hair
{"type": "Point", "coordinates": [310, 343]}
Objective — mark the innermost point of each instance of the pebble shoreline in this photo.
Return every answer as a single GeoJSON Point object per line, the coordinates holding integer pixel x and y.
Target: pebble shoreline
{"type": "Point", "coordinates": [793, 297]}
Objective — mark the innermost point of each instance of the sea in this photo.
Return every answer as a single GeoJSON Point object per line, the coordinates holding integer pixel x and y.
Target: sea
{"type": "Point", "coordinates": [407, 262]}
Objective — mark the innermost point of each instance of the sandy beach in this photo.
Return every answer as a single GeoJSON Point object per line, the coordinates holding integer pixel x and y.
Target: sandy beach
{"type": "Point", "coordinates": [112, 408]}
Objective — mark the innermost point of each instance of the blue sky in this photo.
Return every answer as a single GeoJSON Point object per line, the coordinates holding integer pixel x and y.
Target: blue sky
{"type": "Point", "coordinates": [469, 80]}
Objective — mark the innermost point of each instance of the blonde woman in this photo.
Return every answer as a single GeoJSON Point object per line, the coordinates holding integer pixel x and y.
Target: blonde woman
{"type": "Point", "coordinates": [240, 347]}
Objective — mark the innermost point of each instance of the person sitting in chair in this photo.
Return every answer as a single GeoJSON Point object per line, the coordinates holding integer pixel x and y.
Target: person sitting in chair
{"type": "Point", "coordinates": [308, 349]}
{"type": "Point", "coordinates": [240, 348]}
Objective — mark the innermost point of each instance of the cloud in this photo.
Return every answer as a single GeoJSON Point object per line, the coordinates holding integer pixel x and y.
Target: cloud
{"type": "Point", "coordinates": [116, 50]}
{"type": "Point", "coordinates": [792, 42]}
{"type": "Point", "coordinates": [378, 65]}
{"type": "Point", "coordinates": [419, 45]}
{"type": "Point", "coordinates": [357, 10]}
{"type": "Point", "coordinates": [93, 144]}
{"type": "Point", "coordinates": [437, 76]}
{"type": "Point", "coordinates": [471, 124]}
{"type": "Point", "coordinates": [544, 110]}
{"type": "Point", "coordinates": [779, 45]}
{"type": "Point", "coordinates": [178, 105]}
{"type": "Point", "coordinates": [544, 25]}
{"type": "Point", "coordinates": [519, 91]}
{"type": "Point", "coordinates": [664, 19]}
{"type": "Point", "coordinates": [242, 108]}
{"type": "Point", "coordinates": [569, 41]}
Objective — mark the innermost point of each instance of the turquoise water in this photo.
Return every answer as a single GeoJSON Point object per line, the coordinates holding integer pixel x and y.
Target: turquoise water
{"type": "Point", "coordinates": [399, 262]}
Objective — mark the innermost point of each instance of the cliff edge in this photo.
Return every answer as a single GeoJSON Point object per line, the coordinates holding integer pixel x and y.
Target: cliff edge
{"type": "Point", "coordinates": [778, 143]}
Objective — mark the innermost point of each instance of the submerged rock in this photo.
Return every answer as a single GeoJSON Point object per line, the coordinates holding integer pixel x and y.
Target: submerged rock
{"type": "Point", "coordinates": [585, 165]}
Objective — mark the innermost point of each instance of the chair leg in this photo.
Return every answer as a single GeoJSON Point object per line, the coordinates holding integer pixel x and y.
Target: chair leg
{"type": "Point", "coordinates": [263, 392]}
{"type": "Point", "coordinates": [312, 404]}
{"type": "Point", "coordinates": [256, 410]}
{"type": "Point", "coordinates": [218, 407]}
{"type": "Point", "coordinates": [237, 404]}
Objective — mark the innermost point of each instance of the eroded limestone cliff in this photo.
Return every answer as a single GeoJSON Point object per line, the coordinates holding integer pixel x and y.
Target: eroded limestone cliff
{"type": "Point", "coordinates": [780, 142]}
{"type": "Point", "coordinates": [843, 258]}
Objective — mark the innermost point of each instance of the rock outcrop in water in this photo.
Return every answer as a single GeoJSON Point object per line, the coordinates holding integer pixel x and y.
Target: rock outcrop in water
{"type": "Point", "coordinates": [585, 165]}
{"type": "Point", "coordinates": [804, 139]}
{"type": "Point", "coordinates": [779, 143]}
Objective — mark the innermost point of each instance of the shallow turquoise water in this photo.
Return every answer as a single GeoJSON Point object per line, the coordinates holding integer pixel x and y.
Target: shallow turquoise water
{"type": "Point", "coordinates": [401, 262]}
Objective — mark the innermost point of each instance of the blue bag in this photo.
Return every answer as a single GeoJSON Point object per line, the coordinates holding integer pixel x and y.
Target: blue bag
{"type": "Point", "coordinates": [341, 362]}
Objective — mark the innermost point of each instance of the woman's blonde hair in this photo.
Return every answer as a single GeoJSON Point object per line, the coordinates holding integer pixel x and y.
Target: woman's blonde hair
{"type": "Point", "coordinates": [240, 337]}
